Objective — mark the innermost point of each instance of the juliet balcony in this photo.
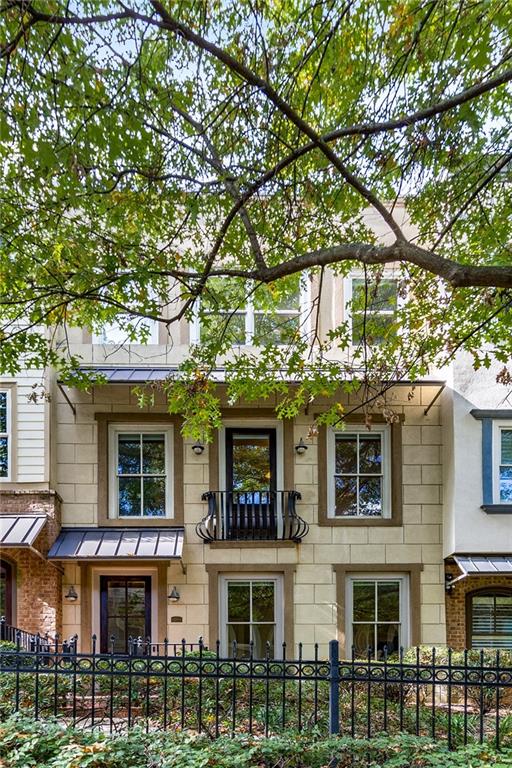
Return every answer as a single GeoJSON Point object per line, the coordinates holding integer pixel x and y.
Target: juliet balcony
{"type": "Point", "coordinates": [252, 516]}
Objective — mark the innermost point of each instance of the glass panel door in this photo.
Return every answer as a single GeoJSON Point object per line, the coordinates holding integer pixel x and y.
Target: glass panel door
{"type": "Point", "coordinates": [251, 483]}
{"type": "Point", "coordinates": [125, 610]}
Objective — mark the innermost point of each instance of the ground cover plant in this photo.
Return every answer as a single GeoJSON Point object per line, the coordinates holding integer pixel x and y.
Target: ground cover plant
{"type": "Point", "coordinates": [25, 743]}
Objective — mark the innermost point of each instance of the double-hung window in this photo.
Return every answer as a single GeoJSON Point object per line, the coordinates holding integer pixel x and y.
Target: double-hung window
{"type": "Point", "coordinates": [372, 307]}
{"type": "Point", "coordinates": [5, 434]}
{"type": "Point", "coordinates": [140, 471]}
{"type": "Point", "coordinates": [377, 614]}
{"type": "Point", "coordinates": [270, 314]}
{"type": "Point", "coordinates": [359, 472]}
{"type": "Point", "coordinates": [252, 615]}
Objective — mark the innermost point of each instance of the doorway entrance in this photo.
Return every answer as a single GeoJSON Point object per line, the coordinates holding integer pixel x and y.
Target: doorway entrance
{"type": "Point", "coordinates": [125, 611]}
{"type": "Point", "coordinates": [251, 483]}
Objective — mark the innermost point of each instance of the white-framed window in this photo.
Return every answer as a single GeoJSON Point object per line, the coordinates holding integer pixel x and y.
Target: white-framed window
{"type": "Point", "coordinates": [359, 472]}
{"type": "Point", "coordinates": [112, 333]}
{"type": "Point", "coordinates": [5, 435]}
{"type": "Point", "coordinates": [251, 614]}
{"type": "Point", "coordinates": [370, 307]}
{"type": "Point", "coordinates": [141, 471]}
{"type": "Point", "coordinates": [264, 317]}
{"type": "Point", "coordinates": [377, 614]}
{"type": "Point", "coordinates": [502, 455]}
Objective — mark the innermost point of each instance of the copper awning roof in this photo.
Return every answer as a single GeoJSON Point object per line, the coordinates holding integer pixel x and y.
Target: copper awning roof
{"type": "Point", "coordinates": [114, 543]}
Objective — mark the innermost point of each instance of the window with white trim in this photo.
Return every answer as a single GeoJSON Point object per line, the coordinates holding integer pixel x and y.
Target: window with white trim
{"type": "Point", "coordinates": [377, 614]}
{"type": "Point", "coordinates": [251, 615]}
{"type": "Point", "coordinates": [359, 467]}
{"type": "Point", "coordinates": [271, 314]}
{"type": "Point", "coordinates": [371, 306]}
{"type": "Point", "coordinates": [114, 334]}
{"type": "Point", "coordinates": [141, 471]}
{"type": "Point", "coordinates": [5, 434]}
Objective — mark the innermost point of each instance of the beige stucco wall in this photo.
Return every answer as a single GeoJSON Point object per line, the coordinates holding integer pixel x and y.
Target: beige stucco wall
{"type": "Point", "coordinates": [418, 540]}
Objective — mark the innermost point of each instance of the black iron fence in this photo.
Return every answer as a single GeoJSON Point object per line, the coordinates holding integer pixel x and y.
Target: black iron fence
{"type": "Point", "coordinates": [26, 641]}
{"type": "Point", "coordinates": [457, 697]}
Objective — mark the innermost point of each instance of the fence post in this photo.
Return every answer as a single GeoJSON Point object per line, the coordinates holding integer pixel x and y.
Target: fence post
{"type": "Point", "coordinates": [334, 687]}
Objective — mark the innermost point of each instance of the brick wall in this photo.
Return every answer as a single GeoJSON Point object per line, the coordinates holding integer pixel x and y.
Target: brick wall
{"type": "Point", "coordinates": [456, 635]}
{"type": "Point", "coordinates": [38, 601]}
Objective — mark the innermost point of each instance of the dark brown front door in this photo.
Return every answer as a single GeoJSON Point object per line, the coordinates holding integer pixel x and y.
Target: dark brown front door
{"type": "Point", "coordinates": [125, 610]}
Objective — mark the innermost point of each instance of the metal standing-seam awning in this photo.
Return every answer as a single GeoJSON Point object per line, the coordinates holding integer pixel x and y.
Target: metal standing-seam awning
{"type": "Point", "coordinates": [20, 530]}
{"type": "Point", "coordinates": [484, 564]}
{"type": "Point", "coordinates": [479, 565]}
{"type": "Point", "coordinates": [118, 543]}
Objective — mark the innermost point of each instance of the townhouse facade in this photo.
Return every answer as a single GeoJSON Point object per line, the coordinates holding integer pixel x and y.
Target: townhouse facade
{"type": "Point", "coordinates": [277, 531]}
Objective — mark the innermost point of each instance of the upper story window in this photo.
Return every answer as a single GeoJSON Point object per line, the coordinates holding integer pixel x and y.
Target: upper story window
{"type": "Point", "coordinates": [504, 468]}
{"type": "Point", "coordinates": [271, 314]}
{"type": "Point", "coordinates": [140, 471]}
{"type": "Point", "coordinates": [359, 472]}
{"type": "Point", "coordinates": [113, 333]}
{"type": "Point", "coordinates": [496, 459]}
{"type": "Point", "coordinates": [372, 307]}
{"type": "Point", "coordinates": [5, 434]}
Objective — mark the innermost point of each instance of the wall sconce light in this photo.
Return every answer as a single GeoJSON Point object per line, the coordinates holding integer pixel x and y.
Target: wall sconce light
{"type": "Point", "coordinates": [198, 448]}
{"type": "Point", "coordinates": [301, 447]}
{"type": "Point", "coordinates": [173, 595]}
{"type": "Point", "coordinates": [71, 594]}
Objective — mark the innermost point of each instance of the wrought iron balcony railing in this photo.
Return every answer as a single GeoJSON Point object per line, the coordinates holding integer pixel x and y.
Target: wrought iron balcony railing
{"type": "Point", "coordinates": [252, 516]}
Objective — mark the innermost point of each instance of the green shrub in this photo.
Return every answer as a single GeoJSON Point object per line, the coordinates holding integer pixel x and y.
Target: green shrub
{"type": "Point", "coordinates": [481, 697]}
{"type": "Point", "coordinates": [25, 743]}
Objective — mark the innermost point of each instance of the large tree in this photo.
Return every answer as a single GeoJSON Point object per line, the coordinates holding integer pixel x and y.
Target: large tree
{"type": "Point", "coordinates": [150, 150]}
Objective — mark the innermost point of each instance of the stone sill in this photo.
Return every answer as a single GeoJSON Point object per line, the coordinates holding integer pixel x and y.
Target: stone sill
{"type": "Point", "coordinates": [251, 544]}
